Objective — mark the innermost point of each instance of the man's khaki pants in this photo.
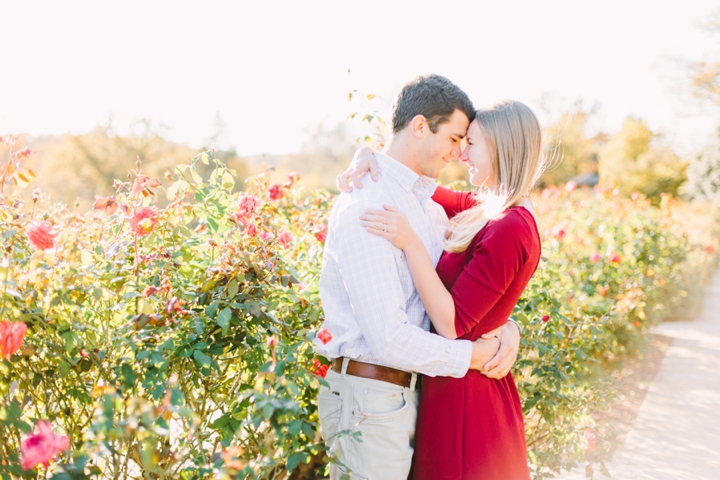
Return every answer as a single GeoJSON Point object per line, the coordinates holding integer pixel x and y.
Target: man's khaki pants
{"type": "Point", "coordinates": [369, 426]}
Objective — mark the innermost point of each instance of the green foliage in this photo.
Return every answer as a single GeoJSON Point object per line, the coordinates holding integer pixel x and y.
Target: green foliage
{"type": "Point", "coordinates": [704, 174]}
{"type": "Point", "coordinates": [181, 348]}
{"type": "Point", "coordinates": [608, 274]}
{"type": "Point", "coordinates": [152, 352]}
{"type": "Point", "coordinates": [631, 161]}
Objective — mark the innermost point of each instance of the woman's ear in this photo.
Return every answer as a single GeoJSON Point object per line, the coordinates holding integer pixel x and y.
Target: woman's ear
{"type": "Point", "coordinates": [418, 126]}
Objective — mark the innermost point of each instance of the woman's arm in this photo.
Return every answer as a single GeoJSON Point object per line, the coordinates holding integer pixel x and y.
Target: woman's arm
{"type": "Point", "coordinates": [363, 162]}
{"type": "Point", "coordinates": [493, 266]}
{"type": "Point", "coordinates": [452, 201]}
{"type": "Point", "coordinates": [393, 225]}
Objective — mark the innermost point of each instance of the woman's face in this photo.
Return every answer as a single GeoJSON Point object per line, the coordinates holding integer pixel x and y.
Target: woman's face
{"type": "Point", "coordinates": [478, 156]}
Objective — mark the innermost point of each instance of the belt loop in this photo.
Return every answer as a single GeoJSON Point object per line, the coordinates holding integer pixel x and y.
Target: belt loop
{"type": "Point", "coordinates": [343, 370]}
{"type": "Point", "coordinates": [413, 381]}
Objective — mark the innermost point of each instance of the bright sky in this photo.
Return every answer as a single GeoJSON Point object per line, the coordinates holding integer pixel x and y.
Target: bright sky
{"type": "Point", "coordinates": [275, 69]}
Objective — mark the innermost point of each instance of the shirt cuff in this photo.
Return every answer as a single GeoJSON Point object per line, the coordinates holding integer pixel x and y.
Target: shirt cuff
{"type": "Point", "coordinates": [463, 357]}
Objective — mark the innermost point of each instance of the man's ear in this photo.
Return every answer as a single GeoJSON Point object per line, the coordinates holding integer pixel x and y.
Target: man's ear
{"type": "Point", "coordinates": [419, 126]}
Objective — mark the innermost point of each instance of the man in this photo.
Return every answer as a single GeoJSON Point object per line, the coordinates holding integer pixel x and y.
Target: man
{"type": "Point", "coordinates": [381, 345]}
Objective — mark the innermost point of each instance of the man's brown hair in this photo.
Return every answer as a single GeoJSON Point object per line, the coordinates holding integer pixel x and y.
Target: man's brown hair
{"type": "Point", "coordinates": [433, 96]}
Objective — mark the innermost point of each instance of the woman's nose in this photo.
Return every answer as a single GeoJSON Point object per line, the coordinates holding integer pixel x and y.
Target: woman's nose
{"type": "Point", "coordinates": [463, 155]}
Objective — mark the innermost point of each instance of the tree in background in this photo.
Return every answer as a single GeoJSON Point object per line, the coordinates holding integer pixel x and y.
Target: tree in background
{"type": "Point", "coordinates": [704, 174]}
{"type": "Point", "coordinates": [633, 160]}
{"type": "Point", "coordinates": [704, 169]}
{"type": "Point", "coordinates": [705, 75]}
{"type": "Point", "coordinates": [570, 150]}
{"type": "Point", "coordinates": [78, 167]}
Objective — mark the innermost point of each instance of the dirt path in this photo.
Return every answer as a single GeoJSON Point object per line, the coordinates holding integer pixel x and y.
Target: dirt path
{"type": "Point", "coordinates": [676, 435]}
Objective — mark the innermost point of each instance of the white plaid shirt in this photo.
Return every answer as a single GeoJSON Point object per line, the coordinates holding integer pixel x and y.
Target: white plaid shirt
{"type": "Point", "coordinates": [371, 305]}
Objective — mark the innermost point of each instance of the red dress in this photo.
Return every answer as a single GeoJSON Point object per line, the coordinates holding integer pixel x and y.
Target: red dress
{"type": "Point", "coordinates": [472, 427]}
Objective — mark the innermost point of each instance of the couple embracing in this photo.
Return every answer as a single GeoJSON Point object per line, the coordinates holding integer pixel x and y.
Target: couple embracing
{"type": "Point", "coordinates": [418, 283]}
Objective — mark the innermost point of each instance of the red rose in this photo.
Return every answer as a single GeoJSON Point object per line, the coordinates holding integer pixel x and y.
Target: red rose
{"type": "Point", "coordinates": [546, 318]}
{"type": "Point", "coordinates": [143, 221]}
{"type": "Point", "coordinates": [319, 369]}
{"type": "Point", "coordinates": [275, 192]}
{"type": "Point", "coordinates": [325, 336]}
{"type": "Point", "coordinates": [11, 337]}
{"type": "Point", "coordinates": [41, 235]}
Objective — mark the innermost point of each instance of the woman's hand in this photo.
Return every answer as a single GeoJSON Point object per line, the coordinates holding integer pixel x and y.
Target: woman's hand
{"type": "Point", "coordinates": [362, 163]}
{"type": "Point", "coordinates": [391, 224]}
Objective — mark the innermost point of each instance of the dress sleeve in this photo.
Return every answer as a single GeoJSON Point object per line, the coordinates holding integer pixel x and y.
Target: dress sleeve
{"type": "Point", "coordinates": [453, 201]}
{"type": "Point", "coordinates": [496, 260]}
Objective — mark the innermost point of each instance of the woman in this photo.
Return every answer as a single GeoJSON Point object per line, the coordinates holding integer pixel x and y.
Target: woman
{"type": "Point", "coordinates": [472, 427]}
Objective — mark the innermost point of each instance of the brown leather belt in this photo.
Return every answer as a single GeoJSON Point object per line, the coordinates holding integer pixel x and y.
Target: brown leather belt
{"type": "Point", "coordinates": [377, 372]}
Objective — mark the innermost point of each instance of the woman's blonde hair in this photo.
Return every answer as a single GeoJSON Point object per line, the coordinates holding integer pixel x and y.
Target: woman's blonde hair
{"type": "Point", "coordinates": [515, 139]}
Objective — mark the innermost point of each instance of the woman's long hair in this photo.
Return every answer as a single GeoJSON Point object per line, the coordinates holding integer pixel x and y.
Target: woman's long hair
{"type": "Point", "coordinates": [514, 136]}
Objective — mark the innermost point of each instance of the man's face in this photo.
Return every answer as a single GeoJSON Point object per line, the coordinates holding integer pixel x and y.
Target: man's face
{"type": "Point", "coordinates": [441, 147]}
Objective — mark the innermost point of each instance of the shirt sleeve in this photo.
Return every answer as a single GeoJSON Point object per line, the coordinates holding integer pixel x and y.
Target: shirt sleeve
{"type": "Point", "coordinates": [369, 271]}
{"type": "Point", "coordinates": [453, 201]}
{"type": "Point", "coordinates": [496, 260]}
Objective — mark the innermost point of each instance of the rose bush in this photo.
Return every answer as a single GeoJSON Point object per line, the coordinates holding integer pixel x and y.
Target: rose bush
{"type": "Point", "coordinates": [175, 342]}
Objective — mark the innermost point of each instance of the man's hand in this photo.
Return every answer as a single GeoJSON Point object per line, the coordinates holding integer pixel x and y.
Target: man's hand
{"type": "Point", "coordinates": [509, 337]}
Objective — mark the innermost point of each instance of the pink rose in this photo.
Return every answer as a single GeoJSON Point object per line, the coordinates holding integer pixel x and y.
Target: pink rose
{"type": "Point", "coordinates": [595, 257]}
{"type": "Point", "coordinates": [615, 258]}
{"type": "Point", "coordinates": [325, 336]}
{"type": "Point", "coordinates": [246, 208]}
{"type": "Point", "coordinates": [589, 440]}
{"type": "Point", "coordinates": [251, 229]}
{"type": "Point", "coordinates": [571, 186]}
{"type": "Point", "coordinates": [291, 179]}
{"type": "Point", "coordinates": [284, 238]}
{"type": "Point", "coordinates": [41, 235]}
{"type": "Point", "coordinates": [42, 446]}
{"type": "Point", "coordinates": [710, 249]}
{"type": "Point", "coordinates": [11, 337]}
{"type": "Point", "coordinates": [109, 204]}
{"type": "Point", "coordinates": [275, 192]}
{"type": "Point", "coordinates": [144, 221]}
{"type": "Point", "coordinates": [322, 234]}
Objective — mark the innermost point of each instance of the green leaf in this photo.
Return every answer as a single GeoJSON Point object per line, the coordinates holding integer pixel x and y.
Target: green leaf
{"type": "Point", "coordinates": [223, 319]}
{"type": "Point", "coordinates": [232, 288]}
{"type": "Point", "coordinates": [202, 359]}
{"type": "Point", "coordinates": [294, 427]}
{"type": "Point", "coordinates": [292, 462]}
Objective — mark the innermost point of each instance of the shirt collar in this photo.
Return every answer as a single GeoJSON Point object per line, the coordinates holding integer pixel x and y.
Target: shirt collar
{"type": "Point", "coordinates": [423, 187]}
